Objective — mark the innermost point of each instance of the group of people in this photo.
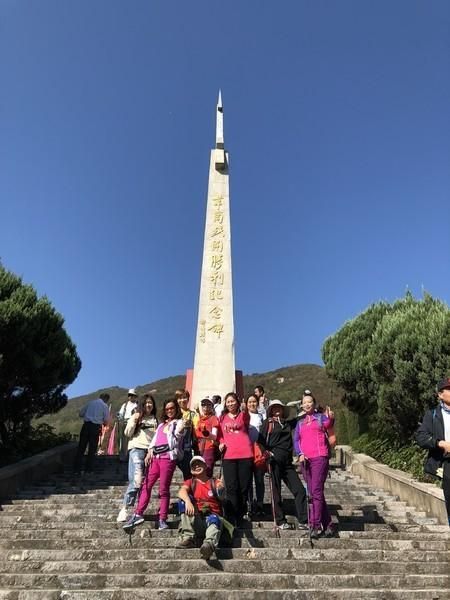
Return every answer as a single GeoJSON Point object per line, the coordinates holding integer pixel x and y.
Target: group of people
{"type": "Point", "coordinates": [250, 438]}
{"type": "Point", "coordinates": [229, 430]}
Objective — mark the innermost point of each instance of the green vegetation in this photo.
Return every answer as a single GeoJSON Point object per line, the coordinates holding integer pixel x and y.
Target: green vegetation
{"type": "Point", "coordinates": [285, 384]}
{"type": "Point", "coordinates": [408, 458]}
{"type": "Point", "coordinates": [37, 362]}
{"type": "Point", "coordinates": [388, 360]}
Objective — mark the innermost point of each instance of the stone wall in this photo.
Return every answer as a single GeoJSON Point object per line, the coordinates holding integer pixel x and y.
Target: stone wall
{"type": "Point", "coordinates": [424, 496]}
{"type": "Point", "coordinates": [35, 468]}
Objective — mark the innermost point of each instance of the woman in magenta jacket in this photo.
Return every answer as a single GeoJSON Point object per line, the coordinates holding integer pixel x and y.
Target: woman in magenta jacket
{"type": "Point", "coordinates": [237, 449]}
{"type": "Point", "coordinates": [311, 445]}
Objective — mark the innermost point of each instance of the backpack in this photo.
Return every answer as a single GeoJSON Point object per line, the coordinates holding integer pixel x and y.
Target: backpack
{"type": "Point", "coordinates": [213, 489]}
{"type": "Point", "coordinates": [226, 536]}
{"type": "Point", "coordinates": [329, 434]}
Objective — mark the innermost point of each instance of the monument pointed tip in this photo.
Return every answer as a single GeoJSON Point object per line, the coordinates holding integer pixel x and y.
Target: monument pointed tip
{"type": "Point", "coordinates": [219, 123]}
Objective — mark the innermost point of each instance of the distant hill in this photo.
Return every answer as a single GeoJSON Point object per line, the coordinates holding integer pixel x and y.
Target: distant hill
{"type": "Point", "coordinates": [286, 383]}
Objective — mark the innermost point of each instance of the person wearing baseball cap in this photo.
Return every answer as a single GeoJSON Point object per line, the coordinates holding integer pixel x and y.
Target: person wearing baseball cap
{"type": "Point", "coordinates": [433, 435]}
{"type": "Point", "coordinates": [123, 416]}
{"type": "Point", "coordinates": [205, 429]}
{"type": "Point", "coordinates": [201, 509]}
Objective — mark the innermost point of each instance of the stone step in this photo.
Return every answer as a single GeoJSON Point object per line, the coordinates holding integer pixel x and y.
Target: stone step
{"type": "Point", "coordinates": [110, 530]}
{"type": "Point", "coordinates": [144, 542]}
{"type": "Point", "coordinates": [107, 593]}
{"type": "Point", "coordinates": [92, 516]}
{"type": "Point", "coordinates": [196, 565]}
{"type": "Point", "coordinates": [60, 540]}
{"type": "Point", "coordinates": [220, 580]}
{"type": "Point", "coordinates": [296, 552]}
{"type": "Point", "coordinates": [115, 502]}
{"type": "Point", "coordinates": [95, 515]}
{"type": "Point", "coordinates": [105, 529]}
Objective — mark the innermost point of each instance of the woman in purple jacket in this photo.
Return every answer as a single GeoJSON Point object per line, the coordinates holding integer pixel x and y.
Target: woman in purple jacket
{"type": "Point", "coordinates": [311, 445]}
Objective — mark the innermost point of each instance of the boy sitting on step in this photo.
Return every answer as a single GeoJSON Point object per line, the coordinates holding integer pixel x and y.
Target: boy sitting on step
{"type": "Point", "coordinates": [201, 509]}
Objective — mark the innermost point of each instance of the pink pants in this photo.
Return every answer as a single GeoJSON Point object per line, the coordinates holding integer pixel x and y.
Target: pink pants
{"type": "Point", "coordinates": [162, 469]}
{"type": "Point", "coordinates": [315, 472]}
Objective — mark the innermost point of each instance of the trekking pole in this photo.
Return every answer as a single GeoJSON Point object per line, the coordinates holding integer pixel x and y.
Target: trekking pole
{"type": "Point", "coordinates": [222, 454]}
{"type": "Point", "coordinates": [272, 502]}
{"type": "Point", "coordinates": [308, 502]}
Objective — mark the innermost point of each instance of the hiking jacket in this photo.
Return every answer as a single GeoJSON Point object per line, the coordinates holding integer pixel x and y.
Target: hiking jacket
{"type": "Point", "coordinates": [311, 435]}
{"type": "Point", "coordinates": [279, 441]}
{"type": "Point", "coordinates": [428, 435]}
{"type": "Point", "coordinates": [174, 436]}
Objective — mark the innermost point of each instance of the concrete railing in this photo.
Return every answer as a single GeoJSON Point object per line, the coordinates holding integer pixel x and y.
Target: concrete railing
{"type": "Point", "coordinates": [35, 468]}
{"type": "Point", "coordinates": [424, 496]}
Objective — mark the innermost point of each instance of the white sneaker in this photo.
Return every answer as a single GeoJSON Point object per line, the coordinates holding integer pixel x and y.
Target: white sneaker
{"type": "Point", "coordinates": [123, 515]}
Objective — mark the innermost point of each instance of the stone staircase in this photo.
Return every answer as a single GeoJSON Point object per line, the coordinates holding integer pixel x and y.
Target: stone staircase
{"type": "Point", "coordinates": [60, 540]}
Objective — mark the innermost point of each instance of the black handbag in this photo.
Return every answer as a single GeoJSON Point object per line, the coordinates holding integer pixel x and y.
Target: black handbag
{"type": "Point", "coordinates": [161, 449]}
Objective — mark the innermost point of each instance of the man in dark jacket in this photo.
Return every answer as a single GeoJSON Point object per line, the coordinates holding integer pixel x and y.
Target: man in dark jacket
{"type": "Point", "coordinates": [434, 435]}
{"type": "Point", "coordinates": [276, 437]}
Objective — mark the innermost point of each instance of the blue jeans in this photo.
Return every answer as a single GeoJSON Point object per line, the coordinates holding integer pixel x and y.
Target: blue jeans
{"type": "Point", "coordinates": [135, 475]}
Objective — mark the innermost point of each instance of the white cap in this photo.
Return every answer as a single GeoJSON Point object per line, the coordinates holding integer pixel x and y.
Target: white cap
{"type": "Point", "coordinates": [132, 392]}
{"type": "Point", "coordinates": [197, 459]}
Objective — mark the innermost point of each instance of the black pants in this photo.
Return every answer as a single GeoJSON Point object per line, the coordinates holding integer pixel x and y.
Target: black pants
{"type": "Point", "coordinates": [446, 487]}
{"type": "Point", "coordinates": [258, 476]}
{"type": "Point", "coordinates": [237, 473]}
{"type": "Point", "coordinates": [287, 473]}
{"type": "Point", "coordinates": [185, 464]}
{"type": "Point", "coordinates": [88, 439]}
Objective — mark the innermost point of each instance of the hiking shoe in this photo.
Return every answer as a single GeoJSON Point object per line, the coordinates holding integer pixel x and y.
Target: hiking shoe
{"type": "Point", "coordinates": [206, 550]}
{"type": "Point", "coordinates": [284, 526]}
{"type": "Point", "coordinates": [133, 521]}
{"type": "Point", "coordinates": [314, 533]}
{"type": "Point", "coordinates": [186, 543]}
{"type": "Point", "coordinates": [259, 509]}
{"type": "Point", "coordinates": [330, 532]}
{"type": "Point", "coordinates": [163, 524]}
{"type": "Point", "coordinates": [123, 515]}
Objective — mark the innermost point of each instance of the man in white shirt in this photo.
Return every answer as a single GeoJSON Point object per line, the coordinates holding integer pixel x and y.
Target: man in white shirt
{"type": "Point", "coordinates": [218, 406]}
{"type": "Point", "coordinates": [263, 401]}
{"type": "Point", "coordinates": [95, 414]}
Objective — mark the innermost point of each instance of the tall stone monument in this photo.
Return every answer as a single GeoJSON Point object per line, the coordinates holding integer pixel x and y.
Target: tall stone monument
{"type": "Point", "coordinates": [214, 369]}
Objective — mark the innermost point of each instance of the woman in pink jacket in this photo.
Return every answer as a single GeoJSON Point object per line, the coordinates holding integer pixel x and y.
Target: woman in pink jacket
{"type": "Point", "coordinates": [161, 459]}
{"type": "Point", "coordinates": [311, 445]}
{"type": "Point", "coordinates": [237, 449]}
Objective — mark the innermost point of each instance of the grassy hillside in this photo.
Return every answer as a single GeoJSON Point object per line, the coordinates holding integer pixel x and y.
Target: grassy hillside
{"type": "Point", "coordinates": [286, 384]}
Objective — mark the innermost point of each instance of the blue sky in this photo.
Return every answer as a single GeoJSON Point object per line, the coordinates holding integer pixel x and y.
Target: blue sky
{"type": "Point", "coordinates": [337, 120]}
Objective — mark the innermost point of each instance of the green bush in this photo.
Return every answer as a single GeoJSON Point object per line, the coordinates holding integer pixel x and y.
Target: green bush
{"type": "Point", "coordinates": [407, 458]}
{"type": "Point", "coordinates": [387, 360]}
{"type": "Point", "coordinates": [38, 360]}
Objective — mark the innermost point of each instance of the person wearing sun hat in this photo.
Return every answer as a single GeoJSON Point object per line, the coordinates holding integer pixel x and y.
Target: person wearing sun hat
{"type": "Point", "coordinates": [276, 437]}
{"type": "Point", "coordinates": [433, 435]}
{"type": "Point", "coordinates": [201, 509]}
